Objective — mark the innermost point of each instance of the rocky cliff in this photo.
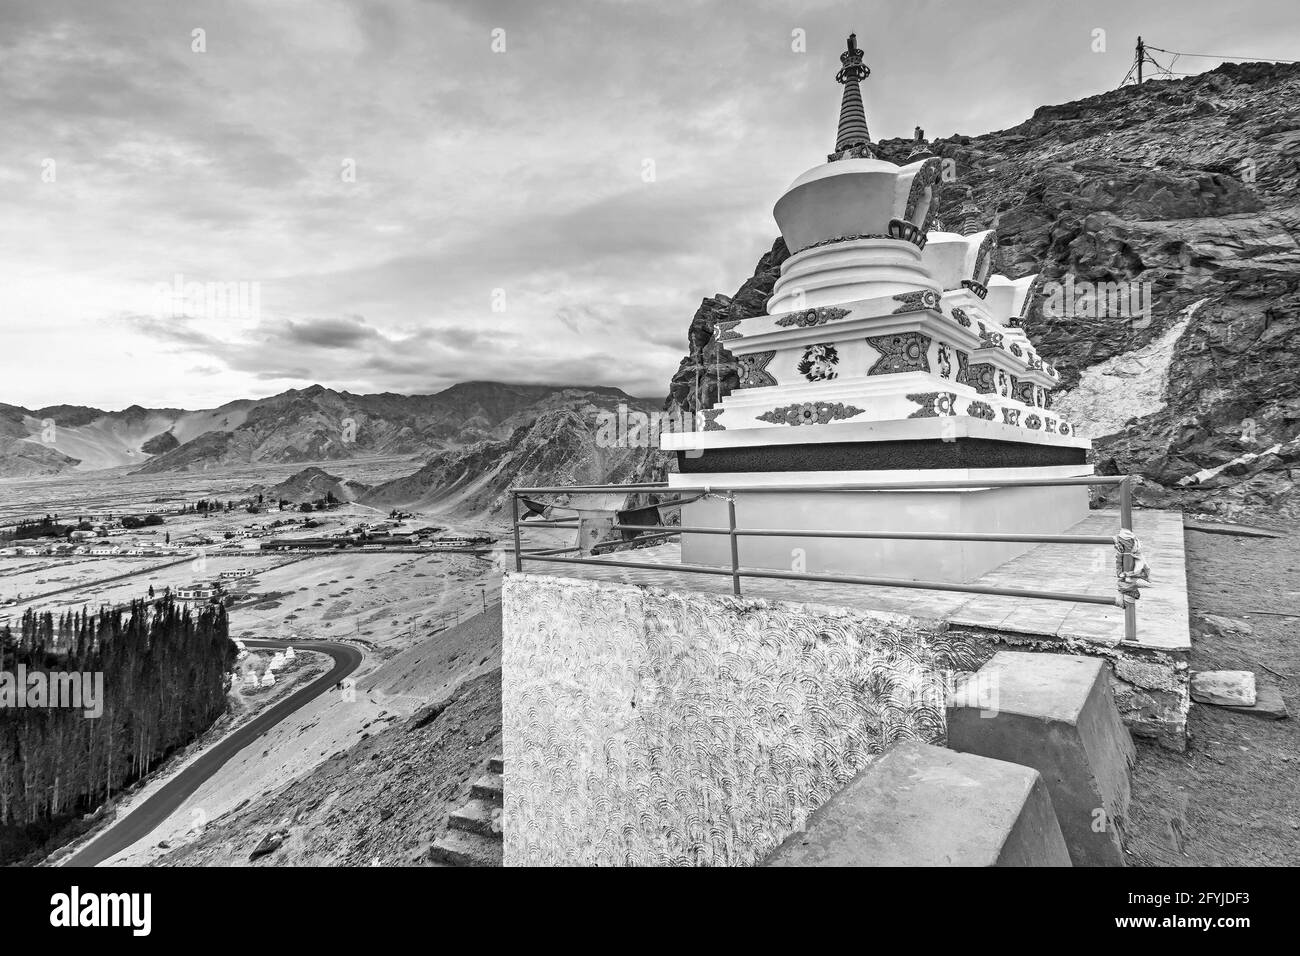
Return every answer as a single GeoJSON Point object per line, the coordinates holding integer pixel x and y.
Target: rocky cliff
{"type": "Point", "coordinates": [1188, 189]}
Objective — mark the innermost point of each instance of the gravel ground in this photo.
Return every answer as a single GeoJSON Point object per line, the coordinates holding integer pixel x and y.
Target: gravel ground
{"type": "Point", "coordinates": [1234, 798]}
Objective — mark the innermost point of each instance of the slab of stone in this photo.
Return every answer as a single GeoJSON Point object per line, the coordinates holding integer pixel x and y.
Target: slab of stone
{"type": "Point", "coordinates": [1056, 714]}
{"type": "Point", "coordinates": [1268, 700]}
{"type": "Point", "coordinates": [1221, 527]}
{"type": "Point", "coordinates": [1224, 688]}
{"type": "Point", "coordinates": [921, 805]}
{"type": "Point", "coordinates": [1216, 625]}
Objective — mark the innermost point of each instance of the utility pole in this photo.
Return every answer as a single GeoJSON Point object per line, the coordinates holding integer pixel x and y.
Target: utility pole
{"type": "Point", "coordinates": [1141, 55]}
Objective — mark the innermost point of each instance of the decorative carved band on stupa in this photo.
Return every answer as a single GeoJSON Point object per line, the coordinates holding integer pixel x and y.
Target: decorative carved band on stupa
{"type": "Point", "coordinates": [984, 261]}
{"type": "Point", "coordinates": [711, 423]}
{"type": "Point", "coordinates": [810, 413]}
{"type": "Point", "coordinates": [929, 177]}
{"type": "Point", "coordinates": [1028, 302]}
{"type": "Point", "coordinates": [852, 133]}
{"type": "Point", "coordinates": [752, 369]}
{"type": "Point", "coordinates": [902, 229]}
{"type": "Point", "coordinates": [933, 404]}
{"type": "Point", "coordinates": [725, 329]}
{"type": "Point", "coordinates": [900, 352]}
{"type": "Point", "coordinates": [918, 301]}
{"type": "Point", "coordinates": [811, 317]}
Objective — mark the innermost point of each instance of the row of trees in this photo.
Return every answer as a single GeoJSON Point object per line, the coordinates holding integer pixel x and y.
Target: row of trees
{"type": "Point", "coordinates": [165, 678]}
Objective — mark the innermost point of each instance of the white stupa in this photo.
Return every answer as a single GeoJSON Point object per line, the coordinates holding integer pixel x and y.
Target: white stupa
{"type": "Point", "coordinates": [268, 678]}
{"type": "Point", "coordinates": [289, 654]}
{"type": "Point", "coordinates": [888, 354]}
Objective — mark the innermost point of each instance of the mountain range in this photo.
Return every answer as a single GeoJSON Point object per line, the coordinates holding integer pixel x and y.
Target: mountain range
{"type": "Point", "coordinates": [311, 424]}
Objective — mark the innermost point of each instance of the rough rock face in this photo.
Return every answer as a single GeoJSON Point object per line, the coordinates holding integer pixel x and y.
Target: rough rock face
{"type": "Point", "coordinates": [695, 384]}
{"type": "Point", "coordinates": [1191, 190]}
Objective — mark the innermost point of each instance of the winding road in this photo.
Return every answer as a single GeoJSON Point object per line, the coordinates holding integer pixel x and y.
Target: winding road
{"type": "Point", "coordinates": [143, 818]}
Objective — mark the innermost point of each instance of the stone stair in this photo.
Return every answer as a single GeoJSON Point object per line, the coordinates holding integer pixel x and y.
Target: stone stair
{"type": "Point", "coordinates": [473, 836]}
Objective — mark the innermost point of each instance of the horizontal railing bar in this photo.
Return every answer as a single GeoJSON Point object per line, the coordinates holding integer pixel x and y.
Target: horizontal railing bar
{"type": "Point", "coordinates": [592, 489]}
{"type": "Point", "coordinates": [888, 535]}
{"type": "Point", "coordinates": [548, 523]}
{"type": "Point", "coordinates": [844, 579]}
{"type": "Point", "coordinates": [864, 486]}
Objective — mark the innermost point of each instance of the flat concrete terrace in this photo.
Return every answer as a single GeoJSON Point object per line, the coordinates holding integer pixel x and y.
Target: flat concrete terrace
{"type": "Point", "coordinates": [1162, 617]}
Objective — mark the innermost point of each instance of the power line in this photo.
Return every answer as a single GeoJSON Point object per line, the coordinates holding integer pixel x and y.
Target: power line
{"type": "Point", "coordinates": [1215, 56]}
{"type": "Point", "coordinates": [1142, 57]}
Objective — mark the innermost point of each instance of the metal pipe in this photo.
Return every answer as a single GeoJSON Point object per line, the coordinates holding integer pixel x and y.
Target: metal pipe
{"type": "Point", "coordinates": [889, 535]}
{"type": "Point", "coordinates": [845, 579]}
{"type": "Point", "coordinates": [866, 486]}
{"type": "Point", "coordinates": [514, 513]}
{"type": "Point", "coordinates": [735, 547]}
{"type": "Point", "coordinates": [1126, 524]}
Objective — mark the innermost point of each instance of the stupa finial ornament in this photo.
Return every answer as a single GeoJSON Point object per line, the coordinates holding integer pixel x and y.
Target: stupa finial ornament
{"type": "Point", "coordinates": [852, 134]}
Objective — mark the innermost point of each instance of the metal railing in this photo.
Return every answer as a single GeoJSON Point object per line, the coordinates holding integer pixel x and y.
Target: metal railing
{"type": "Point", "coordinates": [1121, 543]}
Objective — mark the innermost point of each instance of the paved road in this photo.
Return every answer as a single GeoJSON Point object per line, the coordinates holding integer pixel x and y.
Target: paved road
{"type": "Point", "coordinates": [137, 824]}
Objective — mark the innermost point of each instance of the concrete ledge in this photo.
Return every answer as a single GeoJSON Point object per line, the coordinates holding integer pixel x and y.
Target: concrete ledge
{"type": "Point", "coordinates": [1149, 685]}
{"type": "Point", "coordinates": [1055, 713]}
{"type": "Point", "coordinates": [921, 805]}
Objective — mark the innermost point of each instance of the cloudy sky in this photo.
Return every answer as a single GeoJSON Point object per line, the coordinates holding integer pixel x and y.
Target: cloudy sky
{"type": "Point", "coordinates": [416, 193]}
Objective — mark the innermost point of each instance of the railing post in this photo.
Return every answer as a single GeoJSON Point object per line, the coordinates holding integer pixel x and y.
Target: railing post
{"type": "Point", "coordinates": [735, 545]}
{"type": "Point", "coordinates": [514, 514]}
{"type": "Point", "coordinates": [1126, 524]}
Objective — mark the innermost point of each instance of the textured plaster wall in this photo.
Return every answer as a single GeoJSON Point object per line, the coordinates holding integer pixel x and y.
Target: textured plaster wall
{"type": "Point", "coordinates": [645, 726]}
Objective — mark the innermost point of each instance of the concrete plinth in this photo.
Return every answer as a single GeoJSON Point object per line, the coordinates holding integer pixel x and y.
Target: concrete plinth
{"type": "Point", "coordinates": [1055, 713]}
{"type": "Point", "coordinates": [1017, 510]}
{"type": "Point", "coordinates": [921, 805]}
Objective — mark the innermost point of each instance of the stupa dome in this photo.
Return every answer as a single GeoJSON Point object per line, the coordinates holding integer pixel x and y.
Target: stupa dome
{"type": "Point", "coordinates": [856, 198]}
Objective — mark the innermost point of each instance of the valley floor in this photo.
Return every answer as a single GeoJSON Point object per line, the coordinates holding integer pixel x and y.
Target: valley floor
{"type": "Point", "coordinates": [1230, 800]}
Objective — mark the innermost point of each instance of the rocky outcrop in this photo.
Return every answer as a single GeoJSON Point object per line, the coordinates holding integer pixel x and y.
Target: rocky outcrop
{"type": "Point", "coordinates": [1189, 189]}
{"type": "Point", "coordinates": [709, 370]}
{"type": "Point", "coordinates": [563, 446]}
{"type": "Point", "coordinates": [312, 484]}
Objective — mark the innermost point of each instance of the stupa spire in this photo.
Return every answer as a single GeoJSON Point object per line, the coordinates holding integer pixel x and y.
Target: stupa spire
{"type": "Point", "coordinates": [852, 132]}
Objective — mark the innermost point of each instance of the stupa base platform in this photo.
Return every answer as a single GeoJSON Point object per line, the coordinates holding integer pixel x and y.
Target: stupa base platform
{"type": "Point", "coordinates": [1010, 510]}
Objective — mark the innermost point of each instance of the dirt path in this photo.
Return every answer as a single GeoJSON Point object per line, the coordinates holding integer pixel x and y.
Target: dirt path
{"type": "Point", "coordinates": [1234, 798]}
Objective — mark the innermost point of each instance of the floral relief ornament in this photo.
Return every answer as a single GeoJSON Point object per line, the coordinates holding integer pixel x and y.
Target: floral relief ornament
{"type": "Point", "coordinates": [810, 413]}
